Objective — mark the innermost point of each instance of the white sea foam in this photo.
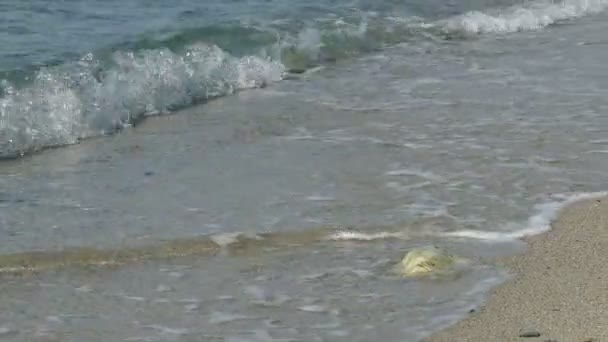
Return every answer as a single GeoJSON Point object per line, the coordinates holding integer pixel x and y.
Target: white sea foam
{"type": "Point", "coordinates": [226, 239]}
{"type": "Point", "coordinates": [313, 308]}
{"type": "Point", "coordinates": [163, 330]}
{"type": "Point", "coordinates": [76, 100]}
{"type": "Point", "coordinates": [417, 173]}
{"type": "Point", "coordinates": [226, 317]}
{"type": "Point", "coordinates": [531, 16]}
{"type": "Point", "coordinates": [320, 198]}
{"type": "Point", "coordinates": [536, 224]}
{"type": "Point", "coordinates": [361, 236]}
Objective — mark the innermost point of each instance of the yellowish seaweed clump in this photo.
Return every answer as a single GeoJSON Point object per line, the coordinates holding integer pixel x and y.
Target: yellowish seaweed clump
{"type": "Point", "coordinates": [428, 260]}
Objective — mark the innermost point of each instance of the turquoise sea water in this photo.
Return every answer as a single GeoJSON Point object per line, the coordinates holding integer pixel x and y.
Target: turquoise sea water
{"type": "Point", "coordinates": [295, 150]}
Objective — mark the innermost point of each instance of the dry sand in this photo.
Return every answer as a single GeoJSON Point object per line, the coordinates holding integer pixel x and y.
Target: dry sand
{"type": "Point", "coordinates": [559, 289]}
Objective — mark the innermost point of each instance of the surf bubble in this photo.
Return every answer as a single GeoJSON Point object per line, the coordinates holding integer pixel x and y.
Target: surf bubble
{"type": "Point", "coordinates": [86, 98]}
{"type": "Point", "coordinates": [361, 236]}
{"type": "Point", "coordinates": [532, 16]}
{"type": "Point", "coordinates": [538, 223]}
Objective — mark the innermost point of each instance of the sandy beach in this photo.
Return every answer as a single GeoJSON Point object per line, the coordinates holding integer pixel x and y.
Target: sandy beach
{"type": "Point", "coordinates": [559, 289]}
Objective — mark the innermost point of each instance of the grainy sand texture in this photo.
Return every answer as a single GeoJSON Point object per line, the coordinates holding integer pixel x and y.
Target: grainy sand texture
{"type": "Point", "coordinates": [559, 289]}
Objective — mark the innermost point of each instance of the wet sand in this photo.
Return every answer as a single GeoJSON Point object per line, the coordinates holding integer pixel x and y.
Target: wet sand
{"type": "Point", "coordinates": [559, 289]}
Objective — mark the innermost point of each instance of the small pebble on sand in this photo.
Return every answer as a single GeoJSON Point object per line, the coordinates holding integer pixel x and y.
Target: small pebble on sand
{"type": "Point", "coordinates": [530, 334]}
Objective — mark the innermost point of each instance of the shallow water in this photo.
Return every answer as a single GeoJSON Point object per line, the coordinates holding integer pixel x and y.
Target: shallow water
{"type": "Point", "coordinates": [275, 214]}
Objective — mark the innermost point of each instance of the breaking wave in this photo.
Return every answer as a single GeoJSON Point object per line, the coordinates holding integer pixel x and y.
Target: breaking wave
{"type": "Point", "coordinates": [107, 90]}
{"type": "Point", "coordinates": [538, 223]}
{"type": "Point", "coordinates": [69, 102]}
{"type": "Point", "coordinates": [531, 16]}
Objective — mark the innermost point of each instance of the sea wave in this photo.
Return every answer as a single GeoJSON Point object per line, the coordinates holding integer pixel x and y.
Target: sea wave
{"type": "Point", "coordinates": [116, 87]}
{"type": "Point", "coordinates": [235, 244]}
{"type": "Point", "coordinates": [76, 100]}
{"type": "Point", "coordinates": [538, 223]}
{"type": "Point", "coordinates": [527, 17]}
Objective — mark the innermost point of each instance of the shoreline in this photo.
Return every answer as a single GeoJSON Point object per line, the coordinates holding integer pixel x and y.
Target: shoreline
{"type": "Point", "coordinates": [559, 287]}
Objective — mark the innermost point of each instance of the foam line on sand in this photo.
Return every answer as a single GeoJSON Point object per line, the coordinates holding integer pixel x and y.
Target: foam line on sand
{"type": "Point", "coordinates": [559, 289]}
